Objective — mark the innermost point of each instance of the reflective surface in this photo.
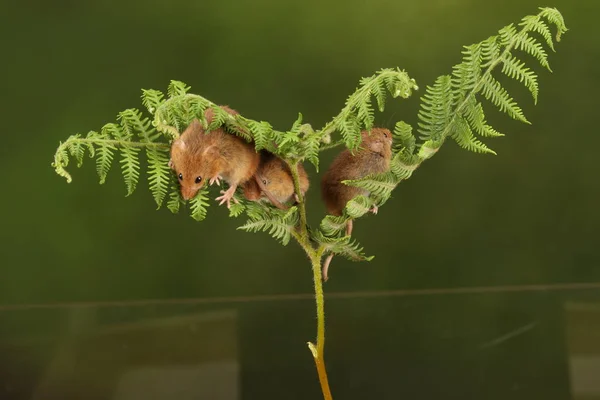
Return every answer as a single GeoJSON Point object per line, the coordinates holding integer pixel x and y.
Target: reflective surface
{"type": "Point", "coordinates": [492, 343]}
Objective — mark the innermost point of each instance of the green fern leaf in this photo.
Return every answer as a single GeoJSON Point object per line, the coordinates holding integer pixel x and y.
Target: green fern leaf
{"type": "Point", "coordinates": [464, 137]}
{"type": "Point", "coordinates": [152, 99]}
{"type": "Point", "coordinates": [262, 132]}
{"type": "Point", "coordinates": [536, 24]}
{"type": "Point", "coordinates": [556, 18]}
{"type": "Point", "coordinates": [378, 185]}
{"type": "Point", "coordinates": [475, 116]}
{"type": "Point", "coordinates": [429, 148]}
{"type": "Point", "coordinates": [516, 69]}
{"type": "Point", "coordinates": [105, 152]}
{"type": "Point", "coordinates": [175, 199]}
{"type": "Point", "coordinates": [177, 88]}
{"type": "Point", "coordinates": [531, 46]}
{"type": "Point", "coordinates": [490, 51]}
{"type": "Point", "coordinates": [436, 108]}
{"type": "Point", "coordinates": [494, 92]}
{"type": "Point", "coordinates": [219, 118]}
{"type": "Point", "coordinates": [404, 138]}
{"type": "Point", "coordinates": [76, 149]}
{"type": "Point", "coordinates": [350, 130]}
{"type": "Point", "coordinates": [380, 94]}
{"type": "Point", "coordinates": [402, 166]}
{"type": "Point", "coordinates": [357, 207]}
{"type": "Point", "coordinates": [311, 145]}
{"type": "Point", "coordinates": [278, 224]}
{"type": "Point", "coordinates": [130, 165]}
{"type": "Point", "coordinates": [343, 246]}
{"type": "Point", "coordinates": [61, 160]}
{"type": "Point", "coordinates": [365, 114]}
{"type": "Point", "coordinates": [332, 225]}
{"type": "Point", "coordinates": [199, 204]}
{"type": "Point", "coordinates": [158, 174]}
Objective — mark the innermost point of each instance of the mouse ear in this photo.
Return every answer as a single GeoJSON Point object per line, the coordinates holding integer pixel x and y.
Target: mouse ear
{"type": "Point", "coordinates": [179, 144]}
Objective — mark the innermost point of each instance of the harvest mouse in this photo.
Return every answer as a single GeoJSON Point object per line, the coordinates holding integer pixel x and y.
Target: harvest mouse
{"type": "Point", "coordinates": [273, 180]}
{"type": "Point", "coordinates": [197, 156]}
{"type": "Point", "coordinates": [372, 157]}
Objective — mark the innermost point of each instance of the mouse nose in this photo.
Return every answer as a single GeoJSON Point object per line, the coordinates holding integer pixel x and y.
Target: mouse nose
{"type": "Point", "coordinates": [188, 193]}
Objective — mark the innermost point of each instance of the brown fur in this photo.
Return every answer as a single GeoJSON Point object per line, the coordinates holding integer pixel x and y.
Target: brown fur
{"type": "Point", "coordinates": [216, 154]}
{"type": "Point", "coordinates": [275, 181]}
{"type": "Point", "coordinates": [373, 156]}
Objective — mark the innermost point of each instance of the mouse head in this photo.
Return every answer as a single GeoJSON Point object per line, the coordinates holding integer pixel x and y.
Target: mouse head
{"type": "Point", "coordinates": [273, 173]}
{"type": "Point", "coordinates": [378, 140]}
{"type": "Point", "coordinates": [191, 160]}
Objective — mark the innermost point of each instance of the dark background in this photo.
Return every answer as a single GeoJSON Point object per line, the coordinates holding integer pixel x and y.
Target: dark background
{"type": "Point", "coordinates": [527, 216]}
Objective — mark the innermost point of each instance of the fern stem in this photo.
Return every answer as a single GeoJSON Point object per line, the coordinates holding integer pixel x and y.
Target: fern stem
{"type": "Point", "coordinates": [120, 143]}
{"type": "Point", "coordinates": [318, 350]}
{"type": "Point", "coordinates": [314, 255]}
{"type": "Point", "coordinates": [293, 165]}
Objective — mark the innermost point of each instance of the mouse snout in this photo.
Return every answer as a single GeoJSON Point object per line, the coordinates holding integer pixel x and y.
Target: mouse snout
{"type": "Point", "coordinates": [188, 193]}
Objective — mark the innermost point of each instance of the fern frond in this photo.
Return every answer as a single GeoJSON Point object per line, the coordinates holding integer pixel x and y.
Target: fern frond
{"type": "Point", "coordinates": [332, 225]}
{"type": "Point", "coordinates": [237, 209]}
{"type": "Point", "coordinates": [152, 99]}
{"type": "Point", "coordinates": [538, 25]}
{"type": "Point", "coordinates": [429, 148]}
{"type": "Point", "coordinates": [61, 160]}
{"type": "Point", "coordinates": [262, 132]}
{"type": "Point", "coordinates": [494, 92]}
{"type": "Point", "coordinates": [177, 88]}
{"type": "Point", "coordinates": [175, 200]}
{"type": "Point", "coordinates": [466, 74]}
{"type": "Point", "coordinates": [436, 108]}
{"type": "Point", "coordinates": [76, 149]}
{"type": "Point", "coordinates": [310, 147]}
{"type": "Point", "coordinates": [474, 114]}
{"type": "Point", "coordinates": [199, 204]}
{"type": "Point", "coordinates": [219, 118]}
{"type": "Point", "coordinates": [380, 95]}
{"type": "Point", "coordinates": [280, 225]}
{"type": "Point", "coordinates": [357, 207]}
{"type": "Point", "coordinates": [531, 46]}
{"type": "Point", "coordinates": [490, 51]}
{"type": "Point", "coordinates": [464, 137]}
{"type": "Point", "coordinates": [343, 246]}
{"type": "Point", "coordinates": [516, 69]}
{"type": "Point", "coordinates": [350, 130]}
{"type": "Point", "coordinates": [158, 174]}
{"type": "Point", "coordinates": [403, 166]}
{"type": "Point", "coordinates": [404, 138]}
{"type": "Point", "coordinates": [105, 154]}
{"type": "Point", "coordinates": [378, 185]}
{"type": "Point", "coordinates": [358, 111]}
{"type": "Point", "coordinates": [556, 18]}
{"type": "Point", "coordinates": [130, 165]}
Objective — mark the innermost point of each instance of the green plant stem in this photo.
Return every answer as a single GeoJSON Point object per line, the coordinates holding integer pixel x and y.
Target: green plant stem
{"type": "Point", "coordinates": [114, 142]}
{"type": "Point", "coordinates": [315, 256]}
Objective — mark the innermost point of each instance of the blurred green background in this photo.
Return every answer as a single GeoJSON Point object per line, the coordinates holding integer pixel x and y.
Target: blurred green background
{"type": "Point", "coordinates": [527, 216]}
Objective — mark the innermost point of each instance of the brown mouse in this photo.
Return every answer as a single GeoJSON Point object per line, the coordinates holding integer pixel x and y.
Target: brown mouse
{"type": "Point", "coordinates": [372, 157]}
{"type": "Point", "coordinates": [273, 180]}
{"type": "Point", "coordinates": [197, 156]}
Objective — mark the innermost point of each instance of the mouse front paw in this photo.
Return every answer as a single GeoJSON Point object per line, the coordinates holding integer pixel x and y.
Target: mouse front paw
{"type": "Point", "coordinates": [227, 196]}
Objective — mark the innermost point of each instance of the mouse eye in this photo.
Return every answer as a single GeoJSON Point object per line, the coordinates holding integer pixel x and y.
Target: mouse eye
{"type": "Point", "coordinates": [198, 179]}
{"type": "Point", "coordinates": [264, 181]}
{"type": "Point", "coordinates": [385, 134]}
{"type": "Point", "coordinates": [180, 177]}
